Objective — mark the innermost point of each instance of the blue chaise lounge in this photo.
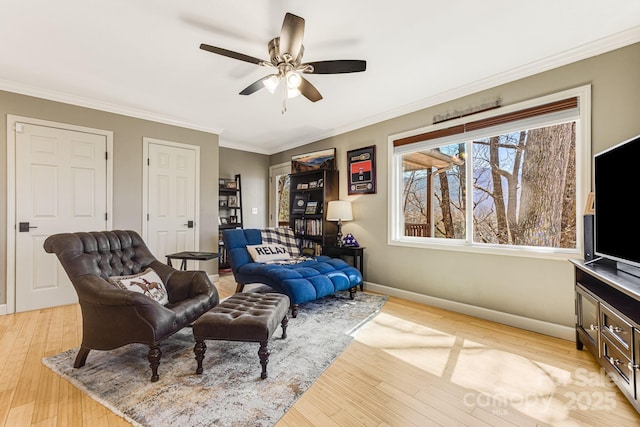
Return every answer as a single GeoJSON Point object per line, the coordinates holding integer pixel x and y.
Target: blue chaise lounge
{"type": "Point", "coordinates": [270, 256]}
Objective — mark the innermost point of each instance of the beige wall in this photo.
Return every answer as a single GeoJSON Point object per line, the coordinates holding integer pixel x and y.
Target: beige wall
{"type": "Point", "coordinates": [127, 163]}
{"type": "Point", "coordinates": [254, 171]}
{"type": "Point", "coordinates": [533, 288]}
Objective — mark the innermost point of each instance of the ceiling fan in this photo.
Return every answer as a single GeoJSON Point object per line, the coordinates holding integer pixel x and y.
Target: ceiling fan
{"type": "Point", "coordinates": [285, 53]}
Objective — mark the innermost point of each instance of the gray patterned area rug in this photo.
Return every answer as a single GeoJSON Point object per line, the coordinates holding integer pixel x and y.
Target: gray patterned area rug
{"type": "Point", "coordinates": [230, 391]}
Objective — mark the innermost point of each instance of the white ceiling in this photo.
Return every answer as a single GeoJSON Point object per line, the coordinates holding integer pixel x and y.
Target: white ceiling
{"type": "Point", "coordinates": [142, 58]}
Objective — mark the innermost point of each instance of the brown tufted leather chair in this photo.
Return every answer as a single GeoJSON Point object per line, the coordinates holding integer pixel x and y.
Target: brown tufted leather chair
{"type": "Point", "coordinates": [113, 317]}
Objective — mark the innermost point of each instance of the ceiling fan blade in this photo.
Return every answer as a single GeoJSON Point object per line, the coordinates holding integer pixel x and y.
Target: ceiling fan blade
{"type": "Point", "coordinates": [337, 67]}
{"type": "Point", "coordinates": [309, 91]}
{"type": "Point", "coordinates": [291, 35]}
{"type": "Point", "coordinates": [231, 54]}
{"type": "Point", "coordinates": [256, 86]}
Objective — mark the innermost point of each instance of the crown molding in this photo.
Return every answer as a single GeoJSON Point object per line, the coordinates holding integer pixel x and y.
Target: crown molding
{"type": "Point", "coordinates": [94, 104]}
{"type": "Point", "coordinates": [234, 145]}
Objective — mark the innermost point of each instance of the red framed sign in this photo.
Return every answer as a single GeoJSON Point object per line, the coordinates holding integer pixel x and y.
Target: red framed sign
{"type": "Point", "coordinates": [361, 164]}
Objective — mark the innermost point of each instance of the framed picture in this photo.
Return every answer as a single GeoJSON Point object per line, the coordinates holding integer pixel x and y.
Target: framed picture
{"type": "Point", "coordinates": [299, 203]}
{"type": "Point", "coordinates": [232, 185]}
{"type": "Point", "coordinates": [320, 183]}
{"type": "Point", "coordinates": [233, 201]}
{"type": "Point", "coordinates": [361, 164]}
{"type": "Point", "coordinates": [221, 182]}
{"type": "Point", "coordinates": [311, 208]}
{"type": "Point", "coordinates": [224, 220]}
{"type": "Point", "coordinates": [233, 219]}
{"type": "Point", "coordinates": [304, 186]}
{"type": "Point", "coordinates": [313, 184]}
{"type": "Point", "coordinates": [325, 159]}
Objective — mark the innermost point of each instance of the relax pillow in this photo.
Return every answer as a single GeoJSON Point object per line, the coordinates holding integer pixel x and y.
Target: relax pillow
{"type": "Point", "coordinates": [266, 252]}
{"type": "Point", "coordinates": [147, 283]}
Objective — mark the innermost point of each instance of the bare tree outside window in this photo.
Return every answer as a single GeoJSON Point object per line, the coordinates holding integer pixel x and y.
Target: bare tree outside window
{"type": "Point", "coordinates": [523, 189]}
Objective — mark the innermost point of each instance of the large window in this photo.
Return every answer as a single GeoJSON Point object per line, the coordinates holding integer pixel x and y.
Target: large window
{"type": "Point", "coordinates": [511, 179]}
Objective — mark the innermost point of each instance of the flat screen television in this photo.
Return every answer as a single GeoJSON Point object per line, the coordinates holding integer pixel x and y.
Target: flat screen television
{"type": "Point", "coordinates": [616, 220]}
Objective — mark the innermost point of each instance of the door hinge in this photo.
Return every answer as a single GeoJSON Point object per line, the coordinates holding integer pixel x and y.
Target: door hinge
{"type": "Point", "coordinates": [106, 216]}
{"type": "Point", "coordinates": [106, 155]}
{"type": "Point", "coordinates": [147, 217]}
{"type": "Point", "coordinates": [148, 162]}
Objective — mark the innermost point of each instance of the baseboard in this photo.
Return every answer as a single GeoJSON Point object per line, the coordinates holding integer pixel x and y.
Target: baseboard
{"type": "Point", "coordinates": [546, 328]}
{"type": "Point", "coordinates": [3, 309]}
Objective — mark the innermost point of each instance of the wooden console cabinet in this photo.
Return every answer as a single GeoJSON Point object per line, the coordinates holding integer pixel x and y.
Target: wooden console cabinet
{"type": "Point", "coordinates": [608, 322]}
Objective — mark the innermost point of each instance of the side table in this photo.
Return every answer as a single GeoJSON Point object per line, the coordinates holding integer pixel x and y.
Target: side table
{"type": "Point", "coordinates": [190, 256]}
{"type": "Point", "coordinates": [357, 252]}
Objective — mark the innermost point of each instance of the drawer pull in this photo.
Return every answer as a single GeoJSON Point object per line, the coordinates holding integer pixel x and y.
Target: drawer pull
{"type": "Point", "coordinates": [614, 361]}
{"type": "Point", "coordinates": [594, 327]}
{"type": "Point", "coordinates": [615, 329]}
{"type": "Point", "coordinates": [632, 367]}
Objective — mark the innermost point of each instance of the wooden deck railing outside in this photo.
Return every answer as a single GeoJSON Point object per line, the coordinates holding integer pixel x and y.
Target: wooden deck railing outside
{"type": "Point", "coordinates": [416, 230]}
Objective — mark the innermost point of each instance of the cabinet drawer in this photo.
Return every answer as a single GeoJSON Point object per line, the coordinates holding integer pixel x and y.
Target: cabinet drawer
{"type": "Point", "coordinates": [616, 329]}
{"type": "Point", "coordinates": [587, 319]}
{"type": "Point", "coordinates": [617, 365]}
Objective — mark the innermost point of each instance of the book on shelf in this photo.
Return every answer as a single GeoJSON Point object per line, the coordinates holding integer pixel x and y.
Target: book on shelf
{"type": "Point", "coordinates": [316, 247]}
{"type": "Point", "coordinates": [308, 227]}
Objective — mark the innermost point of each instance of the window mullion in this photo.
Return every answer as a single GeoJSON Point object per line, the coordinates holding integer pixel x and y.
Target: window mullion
{"type": "Point", "coordinates": [469, 195]}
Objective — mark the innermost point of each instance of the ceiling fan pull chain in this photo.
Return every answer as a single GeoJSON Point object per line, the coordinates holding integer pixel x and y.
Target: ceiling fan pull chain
{"type": "Point", "coordinates": [284, 98]}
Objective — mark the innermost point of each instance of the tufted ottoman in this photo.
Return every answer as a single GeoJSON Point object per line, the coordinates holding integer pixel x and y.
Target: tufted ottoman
{"type": "Point", "coordinates": [250, 317]}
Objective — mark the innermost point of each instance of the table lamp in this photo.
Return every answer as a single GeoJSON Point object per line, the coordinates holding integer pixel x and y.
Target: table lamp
{"type": "Point", "coordinates": [339, 210]}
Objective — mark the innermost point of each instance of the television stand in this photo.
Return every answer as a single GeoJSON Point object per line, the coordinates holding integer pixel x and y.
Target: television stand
{"type": "Point", "coordinates": [608, 322]}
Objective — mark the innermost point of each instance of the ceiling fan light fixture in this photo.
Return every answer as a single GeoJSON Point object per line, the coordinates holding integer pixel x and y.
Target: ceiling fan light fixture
{"type": "Point", "coordinates": [292, 92]}
{"type": "Point", "coordinates": [293, 79]}
{"type": "Point", "coordinates": [271, 84]}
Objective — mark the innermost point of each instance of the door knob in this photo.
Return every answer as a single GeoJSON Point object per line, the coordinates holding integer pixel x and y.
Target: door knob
{"type": "Point", "coordinates": [24, 227]}
{"type": "Point", "coordinates": [189, 224]}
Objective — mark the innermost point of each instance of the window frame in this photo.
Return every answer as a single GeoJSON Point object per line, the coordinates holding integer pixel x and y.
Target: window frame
{"type": "Point", "coordinates": [395, 225]}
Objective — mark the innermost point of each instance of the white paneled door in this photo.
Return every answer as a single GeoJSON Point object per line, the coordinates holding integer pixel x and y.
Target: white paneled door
{"type": "Point", "coordinates": [61, 186]}
{"type": "Point", "coordinates": [172, 189]}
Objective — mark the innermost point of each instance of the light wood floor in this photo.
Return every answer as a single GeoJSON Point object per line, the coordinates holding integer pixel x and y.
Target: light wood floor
{"type": "Point", "coordinates": [413, 365]}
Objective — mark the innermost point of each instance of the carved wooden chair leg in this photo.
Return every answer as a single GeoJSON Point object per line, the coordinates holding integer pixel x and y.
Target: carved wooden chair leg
{"type": "Point", "coordinates": [263, 352]}
{"type": "Point", "coordinates": [199, 350]}
{"type": "Point", "coordinates": [284, 323]}
{"type": "Point", "coordinates": [154, 361]}
{"type": "Point", "coordinates": [81, 358]}
{"type": "Point", "coordinates": [352, 292]}
{"type": "Point", "coordinates": [294, 310]}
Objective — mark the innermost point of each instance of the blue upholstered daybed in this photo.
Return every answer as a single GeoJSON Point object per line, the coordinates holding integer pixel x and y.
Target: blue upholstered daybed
{"type": "Point", "coordinates": [302, 279]}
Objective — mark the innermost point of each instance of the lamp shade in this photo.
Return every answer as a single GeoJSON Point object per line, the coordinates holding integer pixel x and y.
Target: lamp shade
{"type": "Point", "coordinates": [339, 210]}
